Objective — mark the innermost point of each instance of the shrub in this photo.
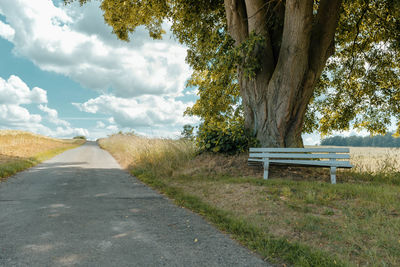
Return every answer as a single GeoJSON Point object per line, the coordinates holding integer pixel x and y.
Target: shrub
{"type": "Point", "coordinates": [187, 132]}
{"type": "Point", "coordinates": [80, 137]}
{"type": "Point", "coordinates": [223, 137]}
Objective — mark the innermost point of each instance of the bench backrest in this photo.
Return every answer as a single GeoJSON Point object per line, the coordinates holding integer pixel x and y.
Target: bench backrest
{"type": "Point", "coordinates": [300, 153]}
{"type": "Point", "coordinates": [302, 150]}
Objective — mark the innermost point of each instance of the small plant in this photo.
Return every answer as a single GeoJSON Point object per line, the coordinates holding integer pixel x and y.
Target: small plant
{"type": "Point", "coordinates": [80, 137]}
{"type": "Point", "coordinates": [223, 137]}
{"type": "Point", "coordinates": [187, 132]}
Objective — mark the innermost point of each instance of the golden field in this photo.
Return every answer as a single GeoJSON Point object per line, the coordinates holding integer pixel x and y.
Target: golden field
{"type": "Point", "coordinates": [375, 159]}
{"type": "Point", "coordinates": [20, 150]}
{"type": "Point", "coordinates": [20, 144]}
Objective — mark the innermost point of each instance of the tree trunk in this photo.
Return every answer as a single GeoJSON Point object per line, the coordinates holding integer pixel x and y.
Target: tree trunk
{"type": "Point", "coordinates": [276, 97]}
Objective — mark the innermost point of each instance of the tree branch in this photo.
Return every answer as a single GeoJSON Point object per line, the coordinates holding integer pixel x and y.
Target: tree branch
{"type": "Point", "coordinates": [353, 56]}
{"type": "Point", "coordinates": [293, 59]}
{"type": "Point", "coordinates": [323, 33]}
{"type": "Point", "coordinates": [257, 16]}
{"type": "Point", "coordinates": [236, 16]}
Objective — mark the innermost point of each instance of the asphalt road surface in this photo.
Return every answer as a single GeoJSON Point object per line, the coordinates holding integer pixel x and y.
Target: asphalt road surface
{"type": "Point", "coordinates": [81, 209]}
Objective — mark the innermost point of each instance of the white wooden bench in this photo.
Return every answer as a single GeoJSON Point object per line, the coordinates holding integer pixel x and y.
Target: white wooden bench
{"type": "Point", "coordinates": [302, 156]}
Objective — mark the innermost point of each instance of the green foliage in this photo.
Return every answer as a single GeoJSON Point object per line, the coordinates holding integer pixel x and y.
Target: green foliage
{"type": "Point", "coordinates": [386, 140]}
{"type": "Point", "coordinates": [247, 56]}
{"type": "Point", "coordinates": [223, 137]}
{"type": "Point", "coordinates": [360, 86]}
{"type": "Point", "coordinates": [187, 132]}
{"type": "Point", "coordinates": [80, 137]}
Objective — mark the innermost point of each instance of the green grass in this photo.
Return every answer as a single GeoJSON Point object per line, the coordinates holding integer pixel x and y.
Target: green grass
{"type": "Point", "coordinates": [270, 248]}
{"type": "Point", "coordinates": [19, 164]}
{"type": "Point", "coordinates": [297, 217]}
{"type": "Point", "coordinates": [325, 224]}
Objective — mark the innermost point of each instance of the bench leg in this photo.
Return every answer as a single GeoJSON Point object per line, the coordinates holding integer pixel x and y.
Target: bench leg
{"type": "Point", "coordinates": [266, 167]}
{"type": "Point", "coordinates": [333, 175]}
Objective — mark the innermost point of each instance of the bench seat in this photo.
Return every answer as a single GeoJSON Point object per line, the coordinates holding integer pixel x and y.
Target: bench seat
{"type": "Point", "coordinates": [333, 158]}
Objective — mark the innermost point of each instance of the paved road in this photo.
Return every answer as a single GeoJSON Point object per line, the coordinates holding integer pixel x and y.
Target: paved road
{"type": "Point", "coordinates": [81, 209]}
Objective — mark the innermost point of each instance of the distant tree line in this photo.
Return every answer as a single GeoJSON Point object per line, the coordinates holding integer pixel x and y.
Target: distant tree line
{"type": "Point", "coordinates": [378, 141]}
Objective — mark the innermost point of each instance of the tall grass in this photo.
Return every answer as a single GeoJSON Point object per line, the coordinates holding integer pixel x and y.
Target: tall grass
{"type": "Point", "coordinates": [159, 156]}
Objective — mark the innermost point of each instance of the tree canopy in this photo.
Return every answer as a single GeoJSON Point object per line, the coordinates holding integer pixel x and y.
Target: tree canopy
{"type": "Point", "coordinates": [359, 86]}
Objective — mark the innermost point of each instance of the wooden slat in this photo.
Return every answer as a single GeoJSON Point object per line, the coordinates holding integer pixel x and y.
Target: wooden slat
{"type": "Point", "coordinates": [300, 150]}
{"type": "Point", "coordinates": [326, 163]}
{"type": "Point", "coordinates": [299, 156]}
{"type": "Point", "coordinates": [256, 159]}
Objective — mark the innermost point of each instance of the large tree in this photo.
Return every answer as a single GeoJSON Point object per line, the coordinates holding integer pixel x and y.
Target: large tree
{"type": "Point", "coordinates": [288, 66]}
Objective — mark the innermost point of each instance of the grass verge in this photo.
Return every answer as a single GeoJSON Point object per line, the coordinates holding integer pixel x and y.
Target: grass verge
{"type": "Point", "coordinates": [277, 250]}
{"type": "Point", "coordinates": [297, 217]}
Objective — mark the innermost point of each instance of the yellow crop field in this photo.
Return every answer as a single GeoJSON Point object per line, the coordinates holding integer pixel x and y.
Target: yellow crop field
{"type": "Point", "coordinates": [375, 159]}
{"type": "Point", "coordinates": [20, 144]}
{"type": "Point", "coordinates": [20, 150]}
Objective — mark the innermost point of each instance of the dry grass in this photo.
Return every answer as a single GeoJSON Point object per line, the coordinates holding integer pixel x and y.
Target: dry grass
{"type": "Point", "coordinates": [20, 150]}
{"type": "Point", "coordinates": [161, 155]}
{"type": "Point", "coordinates": [375, 159]}
{"type": "Point", "coordinates": [357, 221]}
{"type": "Point", "coordinates": [20, 144]}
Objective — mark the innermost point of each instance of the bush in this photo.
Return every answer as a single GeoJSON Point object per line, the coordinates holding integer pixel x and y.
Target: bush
{"type": "Point", "coordinates": [187, 132]}
{"type": "Point", "coordinates": [80, 137]}
{"type": "Point", "coordinates": [222, 137]}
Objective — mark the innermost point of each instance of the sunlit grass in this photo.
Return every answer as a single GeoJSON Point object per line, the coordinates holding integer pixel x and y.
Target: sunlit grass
{"type": "Point", "coordinates": [20, 150]}
{"type": "Point", "coordinates": [161, 156]}
{"type": "Point", "coordinates": [297, 216]}
{"type": "Point", "coordinates": [375, 159]}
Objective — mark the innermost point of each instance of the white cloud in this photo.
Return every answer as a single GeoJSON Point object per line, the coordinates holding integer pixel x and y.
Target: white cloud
{"type": "Point", "coordinates": [52, 116]}
{"type": "Point", "coordinates": [15, 91]}
{"type": "Point", "coordinates": [11, 115]}
{"type": "Point", "coordinates": [100, 124]}
{"type": "Point", "coordinates": [6, 31]}
{"type": "Point", "coordinates": [69, 132]}
{"type": "Point", "coordinates": [67, 41]}
{"type": "Point", "coordinates": [13, 94]}
{"type": "Point", "coordinates": [160, 114]}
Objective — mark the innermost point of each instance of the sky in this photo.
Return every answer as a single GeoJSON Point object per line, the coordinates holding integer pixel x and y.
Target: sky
{"type": "Point", "coordinates": [63, 73]}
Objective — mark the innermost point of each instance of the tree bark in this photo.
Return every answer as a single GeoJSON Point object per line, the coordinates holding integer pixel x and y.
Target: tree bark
{"type": "Point", "coordinates": [275, 100]}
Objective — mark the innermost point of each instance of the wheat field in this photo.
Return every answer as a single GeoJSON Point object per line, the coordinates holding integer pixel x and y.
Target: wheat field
{"type": "Point", "coordinates": [21, 144]}
{"type": "Point", "coordinates": [375, 159]}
